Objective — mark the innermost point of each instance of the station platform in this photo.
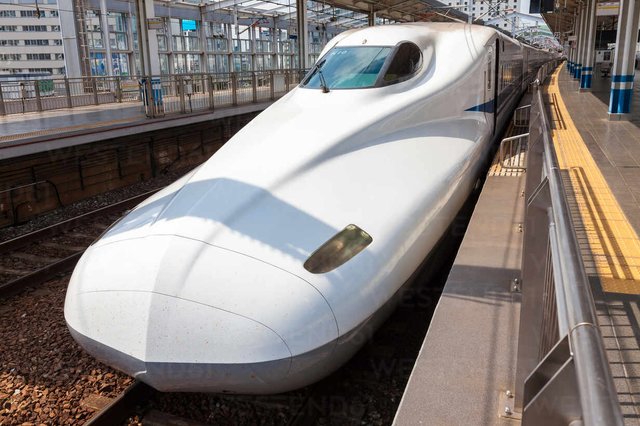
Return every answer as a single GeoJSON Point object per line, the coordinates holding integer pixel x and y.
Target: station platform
{"type": "Point", "coordinates": [466, 370]}
{"type": "Point", "coordinates": [34, 132]}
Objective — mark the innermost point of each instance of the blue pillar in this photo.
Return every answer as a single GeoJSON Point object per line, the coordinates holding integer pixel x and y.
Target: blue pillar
{"type": "Point", "coordinates": [589, 50]}
{"type": "Point", "coordinates": [624, 60]}
{"type": "Point", "coordinates": [621, 91]}
{"type": "Point", "coordinates": [586, 77]}
{"type": "Point", "coordinates": [577, 73]}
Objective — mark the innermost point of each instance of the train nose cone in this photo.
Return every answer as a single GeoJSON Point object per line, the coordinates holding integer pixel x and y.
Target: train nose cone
{"type": "Point", "coordinates": [182, 315]}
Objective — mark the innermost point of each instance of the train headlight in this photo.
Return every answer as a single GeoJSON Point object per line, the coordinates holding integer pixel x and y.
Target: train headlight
{"type": "Point", "coordinates": [338, 250]}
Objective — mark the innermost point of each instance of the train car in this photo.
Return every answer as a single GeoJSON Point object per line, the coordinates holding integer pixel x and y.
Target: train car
{"type": "Point", "coordinates": [266, 268]}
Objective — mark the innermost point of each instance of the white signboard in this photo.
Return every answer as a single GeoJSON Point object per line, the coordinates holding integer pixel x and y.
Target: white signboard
{"type": "Point", "coordinates": [155, 23]}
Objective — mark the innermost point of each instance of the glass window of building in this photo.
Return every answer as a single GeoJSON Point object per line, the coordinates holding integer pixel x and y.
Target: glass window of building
{"type": "Point", "coordinates": [134, 32]}
{"type": "Point", "coordinates": [120, 63]}
{"type": "Point", "coordinates": [242, 63]}
{"type": "Point", "coordinates": [36, 42]}
{"type": "Point", "coordinates": [161, 35]}
{"type": "Point", "coordinates": [7, 13]}
{"type": "Point", "coordinates": [184, 33]}
{"type": "Point", "coordinates": [93, 29]}
{"type": "Point", "coordinates": [218, 63]}
{"type": "Point", "coordinates": [263, 62]}
{"type": "Point", "coordinates": [164, 64]}
{"type": "Point", "coordinates": [117, 30]}
{"type": "Point", "coordinates": [98, 63]}
{"type": "Point", "coordinates": [216, 34]}
{"type": "Point", "coordinates": [186, 63]}
{"type": "Point", "coordinates": [38, 56]}
{"type": "Point", "coordinates": [263, 40]}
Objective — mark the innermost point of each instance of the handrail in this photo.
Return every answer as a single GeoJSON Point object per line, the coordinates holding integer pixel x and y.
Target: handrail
{"type": "Point", "coordinates": [563, 372]}
{"type": "Point", "coordinates": [159, 94]}
{"type": "Point", "coordinates": [598, 396]}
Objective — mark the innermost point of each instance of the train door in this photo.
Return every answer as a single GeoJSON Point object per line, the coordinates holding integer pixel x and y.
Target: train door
{"type": "Point", "coordinates": [489, 86]}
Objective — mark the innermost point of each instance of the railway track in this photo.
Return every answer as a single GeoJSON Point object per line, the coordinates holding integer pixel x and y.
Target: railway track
{"type": "Point", "coordinates": [38, 256]}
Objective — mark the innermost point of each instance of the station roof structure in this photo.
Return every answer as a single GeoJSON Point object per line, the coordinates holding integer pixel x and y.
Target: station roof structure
{"type": "Point", "coordinates": [347, 12]}
{"type": "Point", "coordinates": [560, 21]}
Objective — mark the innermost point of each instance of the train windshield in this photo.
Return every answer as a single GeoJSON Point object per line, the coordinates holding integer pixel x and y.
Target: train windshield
{"type": "Point", "coordinates": [348, 68]}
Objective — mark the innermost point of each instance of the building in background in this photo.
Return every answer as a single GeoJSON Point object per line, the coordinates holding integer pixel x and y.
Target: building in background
{"type": "Point", "coordinates": [30, 38]}
{"type": "Point", "coordinates": [526, 27]}
{"type": "Point", "coordinates": [485, 10]}
{"type": "Point", "coordinates": [100, 37]}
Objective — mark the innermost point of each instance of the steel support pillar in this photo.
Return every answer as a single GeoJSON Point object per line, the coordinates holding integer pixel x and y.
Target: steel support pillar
{"type": "Point", "coordinates": [624, 60]}
{"type": "Point", "coordinates": [69, 30]}
{"type": "Point", "coordinates": [104, 23]}
{"type": "Point", "coordinates": [573, 44]}
{"type": "Point", "coordinates": [581, 42]}
{"type": "Point", "coordinates": [590, 39]}
{"type": "Point", "coordinates": [372, 15]}
{"type": "Point", "coordinates": [570, 58]}
{"type": "Point", "coordinates": [149, 57]}
{"type": "Point", "coordinates": [202, 34]}
{"type": "Point", "coordinates": [303, 45]}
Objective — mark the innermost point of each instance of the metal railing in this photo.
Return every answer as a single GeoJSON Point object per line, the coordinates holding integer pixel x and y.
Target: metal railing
{"type": "Point", "coordinates": [512, 152]}
{"type": "Point", "coordinates": [159, 95]}
{"type": "Point", "coordinates": [562, 374]}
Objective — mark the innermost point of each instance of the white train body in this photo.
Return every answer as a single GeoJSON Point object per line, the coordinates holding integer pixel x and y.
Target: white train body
{"type": "Point", "coordinates": [203, 287]}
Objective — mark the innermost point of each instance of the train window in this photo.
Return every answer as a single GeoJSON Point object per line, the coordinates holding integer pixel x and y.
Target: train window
{"type": "Point", "coordinates": [348, 68]}
{"type": "Point", "coordinates": [405, 63]}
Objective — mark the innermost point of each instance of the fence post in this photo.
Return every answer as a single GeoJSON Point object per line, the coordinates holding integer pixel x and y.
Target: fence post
{"type": "Point", "coordinates": [183, 107]}
{"type": "Point", "coordinates": [67, 89]}
{"type": "Point", "coordinates": [2, 109]}
{"type": "Point", "coordinates": [94, 86]}
{"type": "Point", "coordinates": [151, 102]}
{"type": "Point", "coordinates": [211, 96]}
{"type": "Point", "coordinates": [234, 88]}
{"type": "Point", "coordinates": [118, 90]}
{"type": "Point", "coordinates": [287, 77]}
{"type": "Point", "coordinates": [254, 81]}
{"type": "Point", "coordinates": [272, 82]}
{"type": "Point", "coordinates": [36, 88]}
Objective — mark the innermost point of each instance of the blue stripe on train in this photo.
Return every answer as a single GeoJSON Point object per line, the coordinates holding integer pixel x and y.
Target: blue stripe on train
{"type": "Point", "coordinates": [485, 107]}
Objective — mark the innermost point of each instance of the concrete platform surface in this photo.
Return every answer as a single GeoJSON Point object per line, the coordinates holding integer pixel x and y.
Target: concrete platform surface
{"type": "Point", "coordinates": [37, 132]}
{"type": "Point", "coordinates": [467, 360]}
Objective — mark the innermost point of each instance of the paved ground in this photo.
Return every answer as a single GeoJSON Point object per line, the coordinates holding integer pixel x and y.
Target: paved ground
{"type": "Point", "coordinates": [68, 119]}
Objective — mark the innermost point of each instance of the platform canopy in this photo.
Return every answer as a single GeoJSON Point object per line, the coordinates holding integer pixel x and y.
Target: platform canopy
{"type": "Point", "coordinates": [560, 20]}
{"type": "Point", "coordinates": [347, 12]}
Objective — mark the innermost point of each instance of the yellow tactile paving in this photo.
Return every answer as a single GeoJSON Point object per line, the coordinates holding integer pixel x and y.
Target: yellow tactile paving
{"type": "Point", "coordinates": [610, 247]}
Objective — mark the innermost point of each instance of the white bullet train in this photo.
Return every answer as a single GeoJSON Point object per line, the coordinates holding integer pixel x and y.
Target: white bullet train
{"type": "Point", "coordinates": [264, 269]}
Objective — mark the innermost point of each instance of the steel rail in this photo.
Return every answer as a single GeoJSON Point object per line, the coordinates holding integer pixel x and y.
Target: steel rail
{"type": "Point", "coordinates": [45, 273]}
{"type": "Point", "coordinates": [121, 407]}
{"type": "Point", "coordinates": [63, 226]}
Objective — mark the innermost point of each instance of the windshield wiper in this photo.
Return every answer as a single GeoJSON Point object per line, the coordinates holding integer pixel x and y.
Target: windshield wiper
{"type": "Point", "coordinates": [323, 82]}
